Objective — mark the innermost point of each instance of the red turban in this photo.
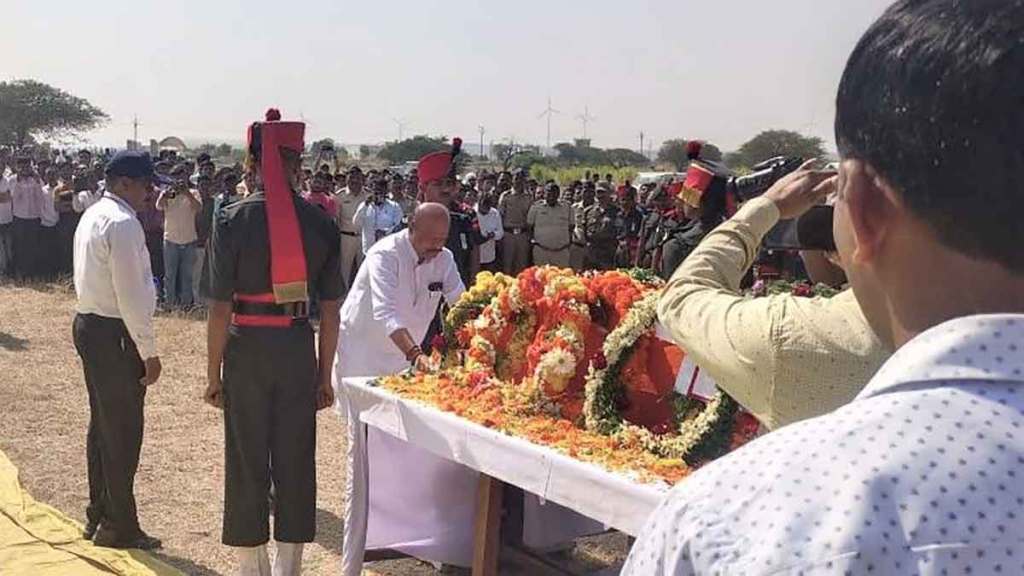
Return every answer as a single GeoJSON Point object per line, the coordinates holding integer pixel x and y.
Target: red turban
{"type": "Point", "coordinates": [439, 165]}
{"type": "Point", "coordinates": [287, 255]}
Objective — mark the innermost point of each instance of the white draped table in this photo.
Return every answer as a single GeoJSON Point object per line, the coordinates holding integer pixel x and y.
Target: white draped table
{"type": "Point", "coordinates": [607, 497]}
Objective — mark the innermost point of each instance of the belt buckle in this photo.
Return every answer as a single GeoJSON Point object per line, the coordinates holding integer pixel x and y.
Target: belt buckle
{"type": "Point", "coordinates": [297, 310]}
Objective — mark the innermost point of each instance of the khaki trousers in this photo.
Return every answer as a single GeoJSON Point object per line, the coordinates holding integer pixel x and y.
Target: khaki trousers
{"type": "Point", "coordinates": [577, 255]}
{"type": "Point", "coordinates": [542, 256]}
{"type": "Point", "coordinates": [351, 258]}
{"type": "Point", "coordinates": [515, 252]}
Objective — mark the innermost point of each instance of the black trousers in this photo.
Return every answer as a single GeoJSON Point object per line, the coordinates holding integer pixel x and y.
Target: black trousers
{"type": "Point", "coordinates": [112, 371]}
{"type": "Point", "coordinates": [66, 241]}
{"type": "Point", "coordinates": [155, 247]}
{"type": "Point", "coordinates": [7, 249]}
{"type": "Point", "coordinates": [25, 240]}
{"type": "Point", "coordinates": [269, 433]}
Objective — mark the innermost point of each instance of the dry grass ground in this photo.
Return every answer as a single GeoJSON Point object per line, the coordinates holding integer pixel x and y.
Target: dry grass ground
{"type": "Point", "coordinates": [179, 486]}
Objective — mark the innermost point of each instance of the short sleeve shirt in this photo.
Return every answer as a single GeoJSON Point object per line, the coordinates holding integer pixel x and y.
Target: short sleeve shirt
{"type": "Point", "coordinates": [241, 250]}
{"type": "Point", "coordinates": [552, 225]}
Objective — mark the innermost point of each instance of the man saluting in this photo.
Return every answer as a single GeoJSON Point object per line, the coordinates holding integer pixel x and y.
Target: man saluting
{"type": "Point", "coordinates": [270, 251]}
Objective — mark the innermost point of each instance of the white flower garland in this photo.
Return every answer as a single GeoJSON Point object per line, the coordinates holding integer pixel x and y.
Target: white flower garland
{"type": "Point", "coordinates": [639, 321]}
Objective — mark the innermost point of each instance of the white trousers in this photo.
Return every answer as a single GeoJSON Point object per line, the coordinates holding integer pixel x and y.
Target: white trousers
{"type": "Point", "coordinates": [254, 561]}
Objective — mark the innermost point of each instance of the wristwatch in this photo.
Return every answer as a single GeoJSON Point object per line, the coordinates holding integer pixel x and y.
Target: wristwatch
{"type": "Point", "coordinates": [413, 353]}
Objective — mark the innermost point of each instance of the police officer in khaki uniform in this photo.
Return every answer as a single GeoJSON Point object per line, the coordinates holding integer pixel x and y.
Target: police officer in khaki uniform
{"type": "Point", "coordinates": [348, 201]}
{"type": "Point", "coordinates": [577, 253]}
{"type": "Point", "coordinates": [552, 225]}
{"type": "Point", "coordinates": [602, 226]}
{"type": "Point", "coordinates": [514, 206]}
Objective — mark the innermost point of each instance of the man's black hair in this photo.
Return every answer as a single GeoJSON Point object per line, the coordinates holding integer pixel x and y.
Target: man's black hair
{"type": "Point", "coordinates": [933, 98]}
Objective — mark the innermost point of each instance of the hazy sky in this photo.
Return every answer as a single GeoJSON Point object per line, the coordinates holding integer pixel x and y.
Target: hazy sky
{"type": "Point", "coordinates": [202, 70]}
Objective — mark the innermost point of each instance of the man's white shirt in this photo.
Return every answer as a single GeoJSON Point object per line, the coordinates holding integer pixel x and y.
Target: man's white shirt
{"type": "Point", "coordinates": [6, 205]}
{"type": "Point", "coordinates": [49, 216]}
{"type": "Point", "coordinates": [83, 199]}
{"type": "Point", "coordinates": [392, 290]}
{"type": "Point", "coordinates": [920, 474]}
{"type": "Point", "coordinates": [489, 222]}
{"type": "Point", "coordinates": [371, 218]}
{"type": "Point", "coordinates": [113, 277]}
{"type": "Point", "coordinates": [26, 197]}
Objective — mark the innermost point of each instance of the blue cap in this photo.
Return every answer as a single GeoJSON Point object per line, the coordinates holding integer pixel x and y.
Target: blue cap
{"type": "Point", "coordinates": [134, 164]}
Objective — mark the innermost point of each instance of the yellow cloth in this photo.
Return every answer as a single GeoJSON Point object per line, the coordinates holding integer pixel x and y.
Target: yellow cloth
{"type": "Point", "coordinates": [37, 540]}
{"type": "Point", "coordinates": [784, 358]}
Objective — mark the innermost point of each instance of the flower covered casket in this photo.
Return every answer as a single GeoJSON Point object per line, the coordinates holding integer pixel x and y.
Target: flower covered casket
{"type": "Point", "coordinates": [572, 362]}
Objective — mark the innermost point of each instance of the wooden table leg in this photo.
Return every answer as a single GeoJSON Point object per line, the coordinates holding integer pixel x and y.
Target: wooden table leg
{"type": "Point", "coordinates": [487, 534]}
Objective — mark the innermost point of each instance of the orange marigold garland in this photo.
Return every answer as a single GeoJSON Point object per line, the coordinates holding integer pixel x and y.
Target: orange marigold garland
{"type": "Point", "coordinates": [522, 347]}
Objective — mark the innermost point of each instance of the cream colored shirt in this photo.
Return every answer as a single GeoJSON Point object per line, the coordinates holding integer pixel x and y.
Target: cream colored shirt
{"type": "Point", "coordinates": [180, 218]}
{"type": "Point", "coordinates": [348, 202]}
{"type": "Point", "coordinates": [784, 358]}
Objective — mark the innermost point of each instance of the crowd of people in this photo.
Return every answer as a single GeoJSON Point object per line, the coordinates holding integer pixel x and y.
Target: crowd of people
{"type": "Point", "coordinates": [508, 221]}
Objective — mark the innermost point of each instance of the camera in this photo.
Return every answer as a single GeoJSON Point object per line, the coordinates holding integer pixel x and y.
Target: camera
{"type": "Point", "coordinates": [812, 231]}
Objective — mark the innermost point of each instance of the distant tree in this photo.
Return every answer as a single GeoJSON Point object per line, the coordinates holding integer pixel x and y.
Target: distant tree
{"type": "Point", "coordinates": [31, 110]}
{"type": "Point", "coordinates": [772, 143]}
{"type": "Point", "coordinates": [500, 151]}
{"type": "Point", "coordinates": [224, 151]}
{"type": "Point", "coordinates": [527, 158]}
{"type": "Point", "coordinates": [317, 145]}
{"type": "Point", "coordinates": [365, 151]}
{"type": "Point", "coordinates": [413, 148]}
{"type": "Point", "coordinates": [674, 152]}
{"type": "Point", "coordinates": [207, 148]}
{"type": "Point", "coordinates": [625, 157]}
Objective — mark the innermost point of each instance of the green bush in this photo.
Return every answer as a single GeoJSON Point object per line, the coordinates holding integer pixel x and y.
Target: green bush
{"type": "Point", "coordinates": [565, 175]}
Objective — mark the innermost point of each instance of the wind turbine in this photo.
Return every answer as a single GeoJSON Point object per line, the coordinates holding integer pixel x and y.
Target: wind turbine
{"type": "Point", "coordinates": [549, 111]}
{"type": "Point", "coordinates": [401, 123]}
{"type": "Point", "coordinates": [585, 118]}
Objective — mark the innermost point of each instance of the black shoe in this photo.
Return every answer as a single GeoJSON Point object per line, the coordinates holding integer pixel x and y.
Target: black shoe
{"type": "Point", "coordinates": [90, 529]}
{"type": "Point", "coordinates": [141, 541]}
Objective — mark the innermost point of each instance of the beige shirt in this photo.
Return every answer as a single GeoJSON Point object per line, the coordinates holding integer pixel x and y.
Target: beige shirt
{"type": "Point", "coordinates": [348, 203]}
{"type": "Point", "coordinates": [552, 225]}
{"type": "Point", "coordinates": [180, 218]}
{"type": "Point", "coordinates": [783, 357]}
{"type": "Point", "coordinates": [578, 211]}
{"type": "Point", "coordinates": [514, 208]}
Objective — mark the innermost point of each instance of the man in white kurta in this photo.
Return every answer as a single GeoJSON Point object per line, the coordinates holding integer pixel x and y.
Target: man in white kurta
{"type": "Point", "coordinates": [384, 319]}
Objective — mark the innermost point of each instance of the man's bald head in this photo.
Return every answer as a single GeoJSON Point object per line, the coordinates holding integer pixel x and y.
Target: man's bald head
{"type": "Point", "coordinates": [428, 229]}
{"type": "Point", "coordinates": [430, 214]}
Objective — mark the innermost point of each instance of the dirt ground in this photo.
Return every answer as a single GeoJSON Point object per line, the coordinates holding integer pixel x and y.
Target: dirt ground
{"type": "Point", "coordinates": [179, 487]}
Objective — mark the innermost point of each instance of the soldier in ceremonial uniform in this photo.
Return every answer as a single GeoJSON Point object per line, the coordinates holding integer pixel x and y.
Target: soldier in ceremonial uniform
{"type": "Point", "coordinates": [348, 201]}
{"type": "Point", "coordinates": [578, 250]}
{"type": "Point", "coordinates": [704, 203]}
{"type": "Point", "coordinates": [271, 252]}
{"type": "Point", "coordinates": [514, 206]}
{"type": "Point", "coordinates": [552, 226]}
{"type": "Point", "coordinates": [602, 225]}
{"type": "Point", "coordinates": [439, 183]}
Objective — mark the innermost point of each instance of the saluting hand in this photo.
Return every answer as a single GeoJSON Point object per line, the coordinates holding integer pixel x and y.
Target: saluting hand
{"type": "Point", "coordinates": [799, 191]}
